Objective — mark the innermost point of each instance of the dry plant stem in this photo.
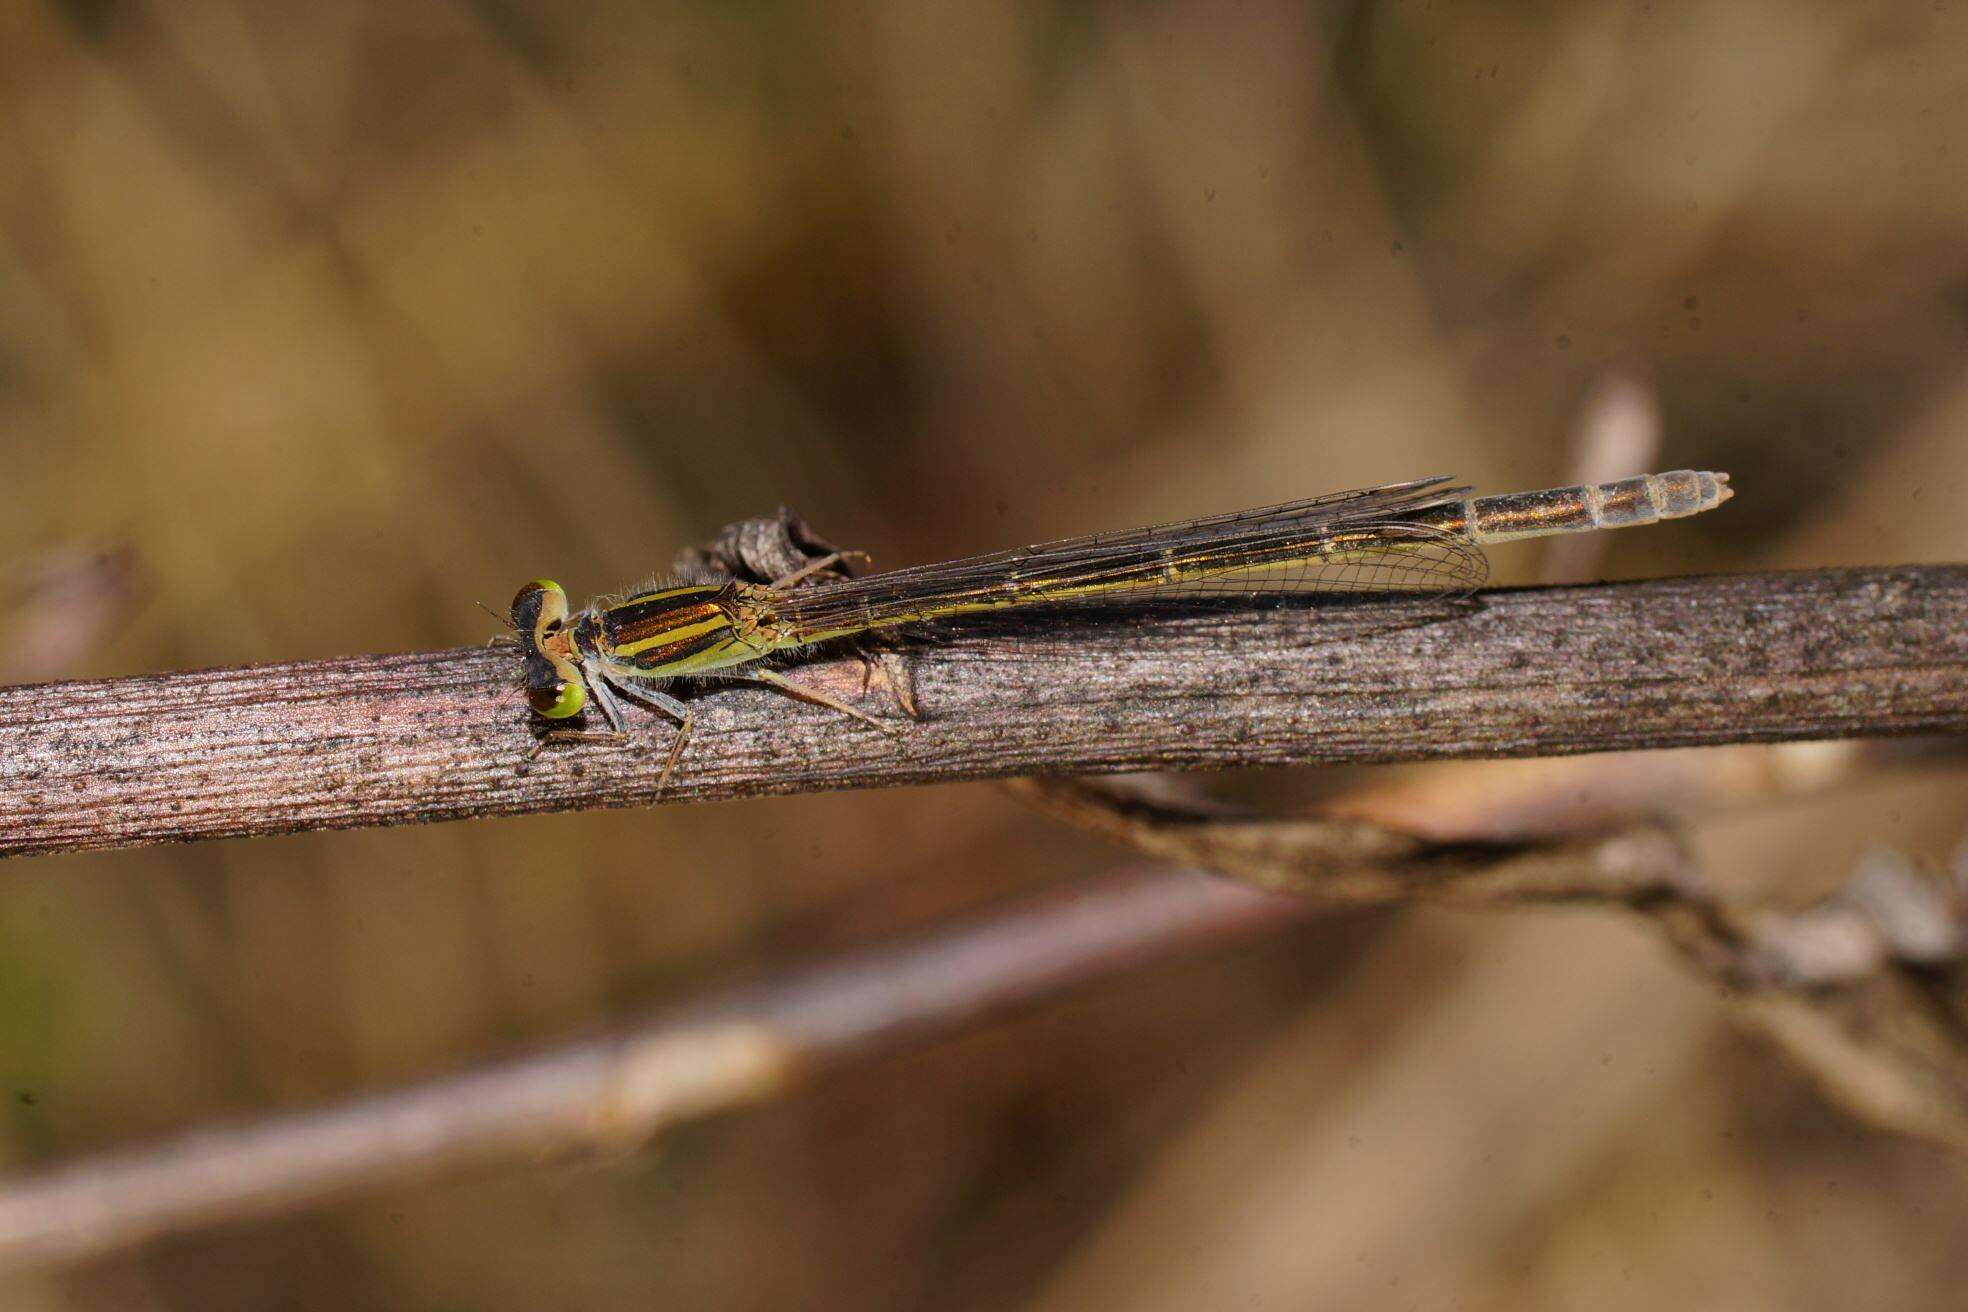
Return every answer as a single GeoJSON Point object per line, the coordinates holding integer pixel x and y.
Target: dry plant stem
{"type": "Point", "coordinates": [616, 1091]}
{"type": "Point", "coordinates": [438, 736]}
{"type": "Point", "coordinates": [1338, 862]}
{"type": "Point", "coordinates": [1876, 1012]}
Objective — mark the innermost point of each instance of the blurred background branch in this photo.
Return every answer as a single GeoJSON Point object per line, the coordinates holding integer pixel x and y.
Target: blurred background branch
{"type": "Point", "coordinates": [615, 1092]}
{"type": "Point", "coordinates": [1868, 989]}
{"type": "Point", "coordinates": [1835, 987]}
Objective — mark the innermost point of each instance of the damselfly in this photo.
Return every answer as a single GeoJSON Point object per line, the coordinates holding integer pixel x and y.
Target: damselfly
{"type": "Point", "coordinates": [1417, 538]}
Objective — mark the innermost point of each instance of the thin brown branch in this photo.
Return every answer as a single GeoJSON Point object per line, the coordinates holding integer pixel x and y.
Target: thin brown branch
{"type": "Point", "coordinates": [442, 735]}
{"type": "Point", "coordinates": [616, 1091]}
{"type": "Point", "coordinates": [1867, 991]}
{"type": "Point", "coordinates": [1334, 861]}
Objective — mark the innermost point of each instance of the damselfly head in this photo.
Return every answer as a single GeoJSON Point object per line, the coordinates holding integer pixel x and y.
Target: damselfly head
{"type": "Point", "coordinates": [554, 686]}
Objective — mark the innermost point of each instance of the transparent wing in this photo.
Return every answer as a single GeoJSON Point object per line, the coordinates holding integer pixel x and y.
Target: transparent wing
{"type": "Point", "coordinates": [1389, 501]}
{"type": "Point", "coordinates": [1335, 545]}
{"type": "Point", "coordinates": [1365, 558]}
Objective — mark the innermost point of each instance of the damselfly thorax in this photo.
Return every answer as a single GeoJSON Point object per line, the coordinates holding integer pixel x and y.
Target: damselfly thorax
{"type": "Point", "coordinates": [1418, 538]}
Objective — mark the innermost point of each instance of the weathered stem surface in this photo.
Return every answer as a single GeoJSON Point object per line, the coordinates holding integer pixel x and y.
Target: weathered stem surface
{"type": "Point", "coordinates": [442, 735]}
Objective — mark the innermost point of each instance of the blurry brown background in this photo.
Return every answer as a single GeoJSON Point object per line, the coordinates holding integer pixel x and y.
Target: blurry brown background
{"type": "Point", "coordinates": [340, 317]}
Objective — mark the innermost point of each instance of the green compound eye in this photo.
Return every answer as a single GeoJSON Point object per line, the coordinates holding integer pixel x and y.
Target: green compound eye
{"type": "Point", "coordinates": [560, 701]}
{"type": "Point", "coordinates": [540, 605]}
